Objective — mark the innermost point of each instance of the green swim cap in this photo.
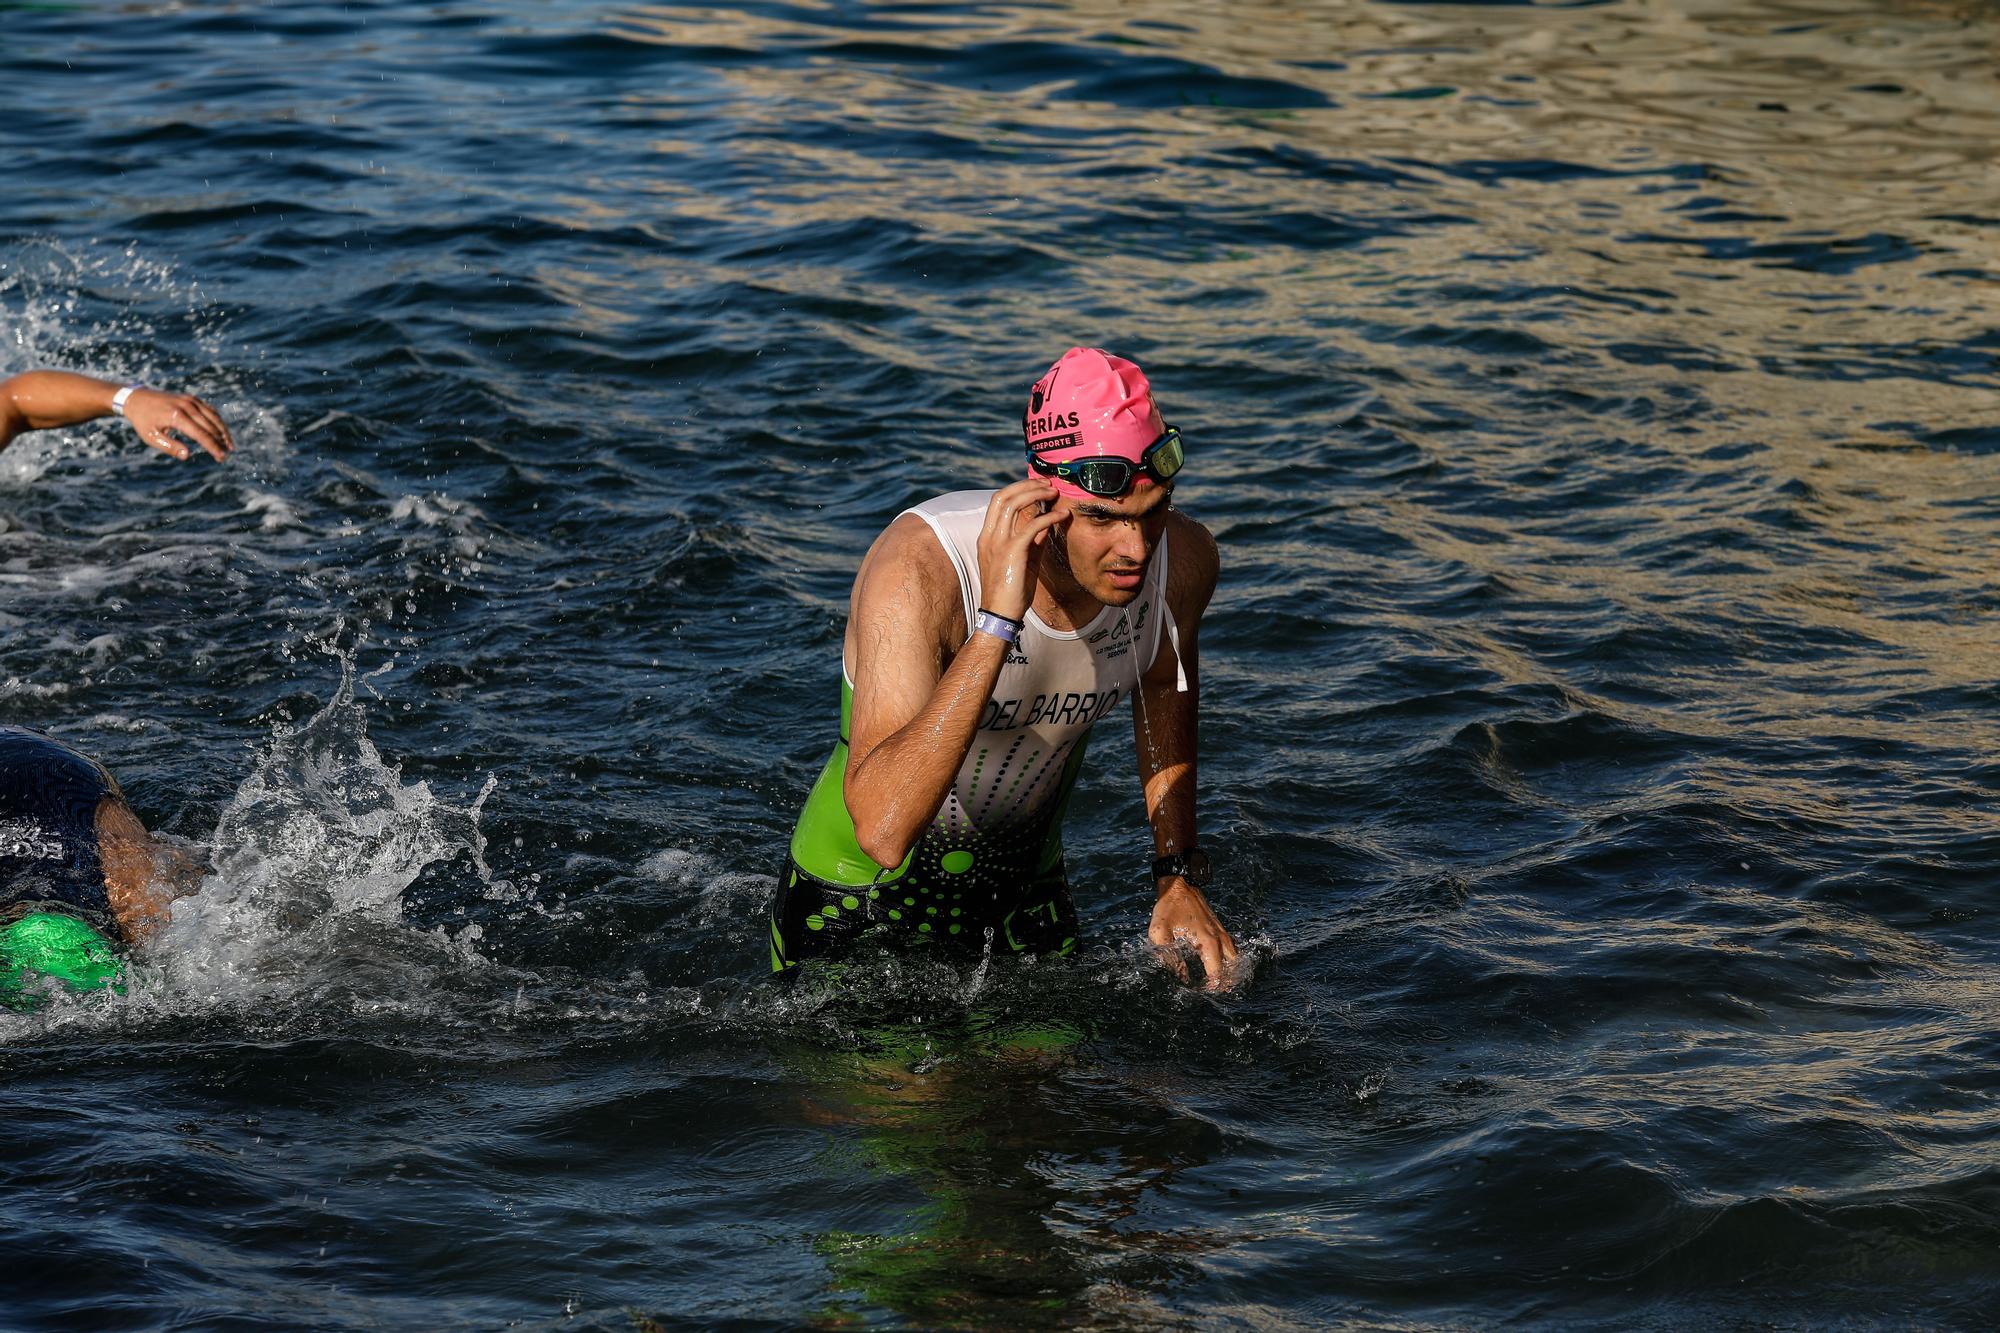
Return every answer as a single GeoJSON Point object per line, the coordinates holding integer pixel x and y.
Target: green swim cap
{"type": "Point", "coordinates": [52, 944]}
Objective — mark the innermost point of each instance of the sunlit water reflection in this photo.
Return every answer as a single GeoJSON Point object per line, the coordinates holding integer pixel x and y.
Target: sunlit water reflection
{"type": "Point", "coordinates": [1594, 406]}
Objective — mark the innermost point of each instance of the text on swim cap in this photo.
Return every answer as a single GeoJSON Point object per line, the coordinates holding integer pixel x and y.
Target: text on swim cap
{"type": "Point", "coordinates": [1054, 421]}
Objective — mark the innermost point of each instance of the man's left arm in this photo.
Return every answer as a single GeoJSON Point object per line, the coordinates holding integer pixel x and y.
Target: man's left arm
{"type": "Point", "coordinates": [1164, 723]}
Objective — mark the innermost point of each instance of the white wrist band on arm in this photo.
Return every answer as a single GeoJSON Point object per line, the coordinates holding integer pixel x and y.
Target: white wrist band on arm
{"type": "Point", "coordinates": [118, 399]}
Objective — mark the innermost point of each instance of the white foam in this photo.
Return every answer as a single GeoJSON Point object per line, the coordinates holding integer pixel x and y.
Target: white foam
{"type": "Point", "coordinates": [16, 688]}
{"type": "Point", "coordinates": [720, 894]}
{"type": "Point", "coordinates": [276, 510]}
{"type": "Point", "coordinates": [311, 859]}
{"type": "Point", "coordinates": [102, 722]}
{"type": "Point", "coordinates": [446, 514]}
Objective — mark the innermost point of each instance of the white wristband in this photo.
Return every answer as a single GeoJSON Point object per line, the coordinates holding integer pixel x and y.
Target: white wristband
{"type": "Point", "coordinates": [118, 399]}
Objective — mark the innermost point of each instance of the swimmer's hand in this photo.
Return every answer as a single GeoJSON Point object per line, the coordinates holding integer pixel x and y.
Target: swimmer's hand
{"type": "Point", "coordinates": [1017, 520]}
{"type": "Point", "coordinates": [170, 422]}
{"type": "Point", "coordinates": [1183, 916]}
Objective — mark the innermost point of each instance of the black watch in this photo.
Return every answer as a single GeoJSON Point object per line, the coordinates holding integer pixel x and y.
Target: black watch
{"type": "Point", "coordinates": [1191, 865]}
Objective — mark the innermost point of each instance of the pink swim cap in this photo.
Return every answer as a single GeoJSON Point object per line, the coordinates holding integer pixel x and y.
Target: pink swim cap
{"type": "Point", "coordinates": [1090, 403]}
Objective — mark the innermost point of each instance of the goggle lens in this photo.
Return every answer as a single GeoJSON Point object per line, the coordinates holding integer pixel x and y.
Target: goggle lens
{"type": "Point", "coordinates": [1102, 476]}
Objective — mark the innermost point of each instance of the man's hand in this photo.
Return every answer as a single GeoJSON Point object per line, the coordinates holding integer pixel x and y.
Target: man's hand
{"type": "Point", "coordinates": [1010, 542]}
{"type": "Point", "coordinates": [165, 420]}
{"type": "Point", "coordinates": [1182, 914]}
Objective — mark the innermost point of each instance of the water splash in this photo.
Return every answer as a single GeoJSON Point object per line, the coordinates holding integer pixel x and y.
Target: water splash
{"type": "Point", "coordinates": [311, 861]}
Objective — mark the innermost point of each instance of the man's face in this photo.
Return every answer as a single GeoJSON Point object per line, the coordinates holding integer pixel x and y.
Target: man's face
{"type": "Point", "coordinates": [1107, 545]}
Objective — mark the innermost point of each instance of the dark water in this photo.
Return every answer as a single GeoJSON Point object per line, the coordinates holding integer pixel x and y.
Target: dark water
{"type": "Point", "coordinates": [1596, 410]}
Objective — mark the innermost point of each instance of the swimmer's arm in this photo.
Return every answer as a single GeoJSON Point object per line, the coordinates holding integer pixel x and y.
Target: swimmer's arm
{"type": "Point", "coordinates": [1164, 726]}
{"type": "Point", "coordinates": [914, 716]}
{"type": "Point", "coordinates": [169, 422]}
{"type": "Point", "coordinates": [142, 876]}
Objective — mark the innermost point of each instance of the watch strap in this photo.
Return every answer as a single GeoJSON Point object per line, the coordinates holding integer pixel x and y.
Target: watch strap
{"type": "Point", "coordinates": [1183, 864]}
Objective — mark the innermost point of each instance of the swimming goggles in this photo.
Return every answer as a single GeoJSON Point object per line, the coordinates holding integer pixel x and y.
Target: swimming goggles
{"type": "Point", "coordinates": [1111, 476]}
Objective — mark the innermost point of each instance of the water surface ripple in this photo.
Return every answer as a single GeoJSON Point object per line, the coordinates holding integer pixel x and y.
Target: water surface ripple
{"type": "Point", "coordinates": [1594, 405]}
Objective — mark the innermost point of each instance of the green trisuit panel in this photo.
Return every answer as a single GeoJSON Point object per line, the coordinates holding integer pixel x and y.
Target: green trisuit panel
{"type": "Point", "coordinates": [950, 889]}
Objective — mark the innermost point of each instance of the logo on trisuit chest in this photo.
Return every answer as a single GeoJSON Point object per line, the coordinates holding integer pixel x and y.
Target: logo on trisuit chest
{"type": "Point", "coordinates": [1117, 640]}
{"type": "Point", "coordinates": [26, 840]}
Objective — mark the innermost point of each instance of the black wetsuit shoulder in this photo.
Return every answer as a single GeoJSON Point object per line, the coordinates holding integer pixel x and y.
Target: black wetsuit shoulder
{"type": "Point", "coordinates": [49, 856]}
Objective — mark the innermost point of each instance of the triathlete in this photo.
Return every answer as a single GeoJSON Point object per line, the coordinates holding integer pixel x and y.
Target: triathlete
{"type": "Point", "coordinates": [169, 422]}
{"type": "Point", "coordinates": [79, 874]}
{"type": "Point", "coordinates": [987, 632]}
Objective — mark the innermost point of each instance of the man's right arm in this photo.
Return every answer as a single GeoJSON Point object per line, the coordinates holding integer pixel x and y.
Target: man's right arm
{"type": "Point", "coordinates": [913, 715]}
{"type": "Point", "coordinates": [169, 422]}
{"type": "Point", "coordinates": [140, 894]}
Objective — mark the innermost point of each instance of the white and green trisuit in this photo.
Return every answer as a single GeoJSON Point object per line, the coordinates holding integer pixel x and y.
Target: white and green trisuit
{"type": "Point", "coordinates": [992, 858]}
